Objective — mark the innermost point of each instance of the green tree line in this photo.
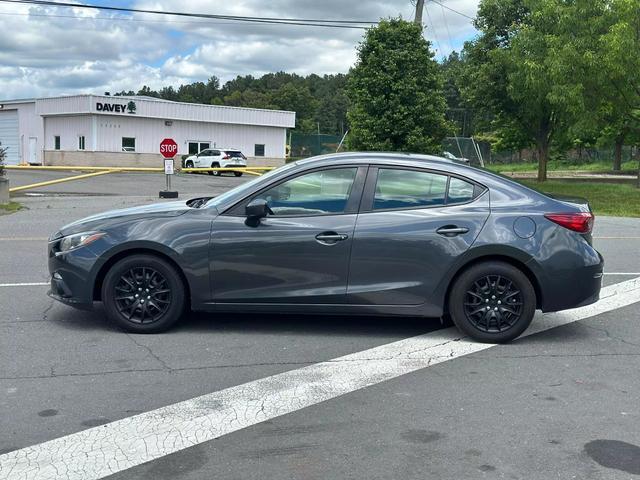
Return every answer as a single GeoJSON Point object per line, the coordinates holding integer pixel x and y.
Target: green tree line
{"type": "Point", "coordinates": [320, 102]}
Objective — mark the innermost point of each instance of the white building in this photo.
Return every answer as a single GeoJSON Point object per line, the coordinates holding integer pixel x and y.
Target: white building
{"type": "Point", "coordinates": [127, 131]}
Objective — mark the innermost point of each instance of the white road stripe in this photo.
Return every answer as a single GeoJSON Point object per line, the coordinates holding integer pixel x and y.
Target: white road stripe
{"type": "Point", "coordinates": [101, 451]}
{"type": "Point", "coordinates": [29, 284]}
{"type": "Point", "coordinates": [633, 274]}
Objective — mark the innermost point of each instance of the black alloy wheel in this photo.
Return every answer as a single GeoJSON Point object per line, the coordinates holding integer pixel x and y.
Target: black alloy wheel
{"type": "Point", "coordinates": [143, 294]}
{"type": "Point", "coordinates": [492, 302]}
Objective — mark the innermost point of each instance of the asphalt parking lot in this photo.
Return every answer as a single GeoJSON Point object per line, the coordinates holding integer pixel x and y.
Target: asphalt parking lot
{"type": "Point", "coordinates": [560, 403]}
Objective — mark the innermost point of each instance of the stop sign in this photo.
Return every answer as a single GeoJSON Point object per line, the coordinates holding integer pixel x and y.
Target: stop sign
{"type": "Point", "coordinates": [168, 148]}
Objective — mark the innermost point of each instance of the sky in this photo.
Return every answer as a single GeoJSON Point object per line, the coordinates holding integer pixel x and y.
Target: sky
{"type": "Point", "coordinates": [47, 51]}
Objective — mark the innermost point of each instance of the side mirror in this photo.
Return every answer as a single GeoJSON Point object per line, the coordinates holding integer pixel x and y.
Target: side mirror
{"type": "Point", "coordinates": [257, 208]}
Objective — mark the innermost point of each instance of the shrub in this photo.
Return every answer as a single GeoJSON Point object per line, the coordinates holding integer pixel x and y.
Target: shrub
{"type": "Point", "coordinates": [3, 152]}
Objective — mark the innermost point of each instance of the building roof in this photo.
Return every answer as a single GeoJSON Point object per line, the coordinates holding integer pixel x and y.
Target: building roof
{"type": "Point", "coordinates": [151, 107]}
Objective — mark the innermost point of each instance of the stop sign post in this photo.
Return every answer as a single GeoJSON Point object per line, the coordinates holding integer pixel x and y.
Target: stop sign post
{"type": "Point", "coordinates": [168, 149]}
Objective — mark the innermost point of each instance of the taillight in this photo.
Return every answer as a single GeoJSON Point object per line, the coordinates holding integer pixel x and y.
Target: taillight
{"type": "Point", "coordinates": [581, 222]}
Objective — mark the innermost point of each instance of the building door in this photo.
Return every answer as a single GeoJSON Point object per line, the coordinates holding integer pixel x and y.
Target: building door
{"type": "Point", "coordinates": [33, 150]}
{"type": "Point", "coordinates": [9, 136]}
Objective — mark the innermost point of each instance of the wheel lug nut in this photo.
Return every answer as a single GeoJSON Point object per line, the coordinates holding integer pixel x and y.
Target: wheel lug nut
{"type": "Point", "coordinates": [486, 300]}
{"type": "Point", "coordinates": [493, 297]}
{"type": "Point", "coordinates": [139, 289]}
{"type": "Point", "coordinates": [149, 297]}
{"type": "Point", "coordinates": [499, 302]}
{"type": "Point", "coordinates": [488, 308]}
{"type": "Point", "coordinates": [142, 301]}
{"type": "Point", "coordinates": [136, 295]}
{"type": "Point", "coordinates": [495, 309]}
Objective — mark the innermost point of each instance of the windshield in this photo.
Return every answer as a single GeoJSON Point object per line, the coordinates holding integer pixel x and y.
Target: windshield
{"type": "Point", "coordinates": [242, 190]}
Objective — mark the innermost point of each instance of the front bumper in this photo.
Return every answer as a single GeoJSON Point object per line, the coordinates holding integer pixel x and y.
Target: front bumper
{"type": "Point", "coordinates": [71, 279]}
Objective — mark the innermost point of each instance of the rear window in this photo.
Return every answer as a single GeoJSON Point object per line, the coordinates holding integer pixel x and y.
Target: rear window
{"type": "Point", "coordinates": [234, 154]}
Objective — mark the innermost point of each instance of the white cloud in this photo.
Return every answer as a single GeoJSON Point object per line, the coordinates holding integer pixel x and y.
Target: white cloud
{"type": "Point", "coordinates": [50, 51]}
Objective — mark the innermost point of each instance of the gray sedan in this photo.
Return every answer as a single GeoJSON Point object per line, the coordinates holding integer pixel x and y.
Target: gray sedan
{"type": "Point", "coordinates": [356, 233]}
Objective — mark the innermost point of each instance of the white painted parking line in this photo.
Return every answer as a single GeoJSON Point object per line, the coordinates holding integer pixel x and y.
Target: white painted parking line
{"type": "Point", "coordinates": [101, 451]}
{"type": "Point", "coordinates": [632, 274]}
{"type": "Point", "coordinates": [28, 284]}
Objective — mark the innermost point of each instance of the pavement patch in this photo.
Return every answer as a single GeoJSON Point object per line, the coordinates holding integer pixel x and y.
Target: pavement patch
{"type": "Point", "coordinates": [117, 446]}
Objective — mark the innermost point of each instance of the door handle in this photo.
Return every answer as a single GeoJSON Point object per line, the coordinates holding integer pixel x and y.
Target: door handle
{"type": "Point", "coordinates": [331, 238]}
{"type": "Point", "coordinates": [451, 230]}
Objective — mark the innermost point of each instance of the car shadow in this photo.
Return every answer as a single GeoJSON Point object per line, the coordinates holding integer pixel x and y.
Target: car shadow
{"type": "Point", "coordinates": [203, 322]}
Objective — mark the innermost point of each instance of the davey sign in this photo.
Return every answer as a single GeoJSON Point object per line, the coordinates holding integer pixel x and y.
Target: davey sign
{"type": "Point", "coordinates": [168, 148]}
{"type": "Point", "coordinates": [116, 107]}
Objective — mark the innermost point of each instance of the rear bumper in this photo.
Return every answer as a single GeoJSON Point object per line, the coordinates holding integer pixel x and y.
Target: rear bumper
{"type": "Point", "coordinates": [573, 288]}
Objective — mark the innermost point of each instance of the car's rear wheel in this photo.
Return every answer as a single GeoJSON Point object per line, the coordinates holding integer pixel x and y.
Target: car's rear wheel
{"type": "Point", "coordinates": [143, 294]}
{"type": "Point", "coordinates": [492, 302]}
{"type": "Point", "coordinates": [238, 174]}
{"type": "Point", "coordinates": [217, 172]}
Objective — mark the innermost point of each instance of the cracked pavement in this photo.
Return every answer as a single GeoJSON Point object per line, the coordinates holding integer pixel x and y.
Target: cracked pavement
{"type": "Point", "coordinates": [491, 414]}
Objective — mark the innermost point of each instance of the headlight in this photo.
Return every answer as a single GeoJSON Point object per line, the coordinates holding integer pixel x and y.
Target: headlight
{"type": "Point", "coordinates": [78, 240]}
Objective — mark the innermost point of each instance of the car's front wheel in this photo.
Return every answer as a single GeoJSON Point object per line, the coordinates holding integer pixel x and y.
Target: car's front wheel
{"type": "Point", "coordinates": [189, 164]}
{"type": "Point", "coordinates": [143, 294]}
{"type": "Point", "coordinates": [492, 302]}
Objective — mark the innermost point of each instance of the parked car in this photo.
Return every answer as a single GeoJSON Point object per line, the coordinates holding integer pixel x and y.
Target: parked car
{"type": "Point", "coordinates": [356, 233]}
{"type": "Point", "coordinates": [217, 158]}
{"type": "Point", "coordinates": [451, 156]}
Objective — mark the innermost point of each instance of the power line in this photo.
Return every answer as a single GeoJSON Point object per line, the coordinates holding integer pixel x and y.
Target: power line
{"type": "Point", "coordinates": [452, 9]}
{"type": "Point", "coordinates": [433, 29]}
{"type": "Point", "coordinates": [119, 19]}
{"type": "Point", "coordinates": [357, 24]}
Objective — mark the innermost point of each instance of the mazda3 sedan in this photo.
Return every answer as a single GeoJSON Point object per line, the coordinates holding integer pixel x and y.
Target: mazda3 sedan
{"type": "Point", "coordinates": [356, 233]}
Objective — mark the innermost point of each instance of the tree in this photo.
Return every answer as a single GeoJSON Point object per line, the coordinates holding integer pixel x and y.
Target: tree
{"type": "Point", "coordinates": [620, 72]}
{"type": "Point", "coordinates": [395, 90]}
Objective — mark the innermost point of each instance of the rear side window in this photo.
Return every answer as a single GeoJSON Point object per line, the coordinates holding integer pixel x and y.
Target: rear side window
{"type": "Point", "coordinates": [460, 191]}
{"type": "Point", "coordinates": [397, 188]}
{"type": "Point", "coordinates": [234, 154]}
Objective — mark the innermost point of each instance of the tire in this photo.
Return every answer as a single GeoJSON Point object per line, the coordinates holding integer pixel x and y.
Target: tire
{"type": "Point", "coordinates": [215, 165]}
{"type": "Point", "coordinates": [238, 174]}
{"type": "Point", "coordinates": [144, 273]}
{"type": "Point", "coordinates": [189, 164]}
{"type": "Point", "coordinates": [507, 293]}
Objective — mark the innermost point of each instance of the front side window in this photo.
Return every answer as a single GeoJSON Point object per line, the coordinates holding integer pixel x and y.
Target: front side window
{"type": "Point", "coordinates": [128, 144]}
{"type": "Point", "coordinates": [316, 193]}
{"type": "Point", "coordinates": [396, 188]}
{"type": "Point", "coordinates": [56, 142]}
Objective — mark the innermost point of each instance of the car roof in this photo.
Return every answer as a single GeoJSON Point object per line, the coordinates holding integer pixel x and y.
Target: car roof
{"type": "Point", "coordinates": [379, 157]}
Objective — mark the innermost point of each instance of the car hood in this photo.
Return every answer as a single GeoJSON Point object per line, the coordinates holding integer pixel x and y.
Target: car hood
{"type": "Point", "coordinates": [168, 209]}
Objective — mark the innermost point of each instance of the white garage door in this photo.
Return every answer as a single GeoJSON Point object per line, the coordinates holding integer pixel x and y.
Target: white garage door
{"type": "Point", "coordinates": [9, 136]}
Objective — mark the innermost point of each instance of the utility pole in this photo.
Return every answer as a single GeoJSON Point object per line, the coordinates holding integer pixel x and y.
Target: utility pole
{"type": "Point", "coordinates": [418, 18]}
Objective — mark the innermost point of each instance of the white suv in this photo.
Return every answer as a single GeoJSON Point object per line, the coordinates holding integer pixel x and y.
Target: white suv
{"type": "Point", "coordinates": [217, 158]}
